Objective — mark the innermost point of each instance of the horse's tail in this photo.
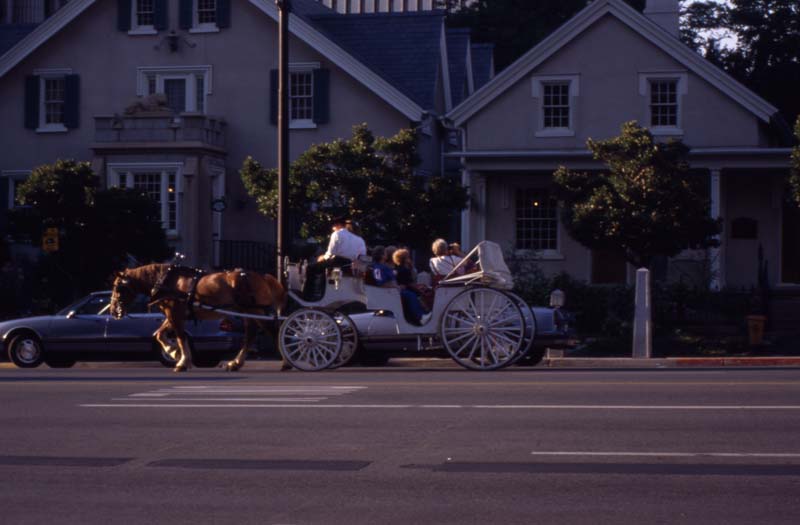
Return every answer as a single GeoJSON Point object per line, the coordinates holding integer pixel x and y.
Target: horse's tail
{"type": "Point", "coordinates": [279, 296]}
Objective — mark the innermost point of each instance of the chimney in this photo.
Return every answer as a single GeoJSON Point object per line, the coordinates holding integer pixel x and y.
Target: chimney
{"type": "Point", "coordinates": [665, 13]}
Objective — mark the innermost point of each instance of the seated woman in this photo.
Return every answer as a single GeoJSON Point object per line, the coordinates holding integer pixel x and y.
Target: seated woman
{"type": "Point", "coordinates": [443, 261]}
{"type": "Point", "coordinates": [379, 272]}
{"type": "Point", "coordinates": [408, 292]}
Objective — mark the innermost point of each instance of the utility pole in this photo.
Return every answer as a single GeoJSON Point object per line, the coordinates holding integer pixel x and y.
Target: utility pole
{"type": "Point", "coordinates": [284, 7]}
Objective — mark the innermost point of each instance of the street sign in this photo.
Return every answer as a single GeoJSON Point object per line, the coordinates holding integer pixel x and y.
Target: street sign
{"type": "Point", "coordinates": [50, 240]}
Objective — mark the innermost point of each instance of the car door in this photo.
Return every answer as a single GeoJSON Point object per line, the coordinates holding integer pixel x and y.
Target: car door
{"type": "Point", "coordinates": [134, 332]}
{"type": "Point", "coordinates": [82, 329]}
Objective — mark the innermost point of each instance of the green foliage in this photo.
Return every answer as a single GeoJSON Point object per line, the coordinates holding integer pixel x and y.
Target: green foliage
{"type": "Point", "coordinates": [646, 204]}
{"type": "Point", "coordinates": [515, 26]}
{"type": "Point", "coordinates": [794, 176]}
{"type": "Point", "coordinates": [98, 229]}
{"type": "Point", "coordinates": [370, 179]}
{"type": "Point", "coordinates": [767, 34]}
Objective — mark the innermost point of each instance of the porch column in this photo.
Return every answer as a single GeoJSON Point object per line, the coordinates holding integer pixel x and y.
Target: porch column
{"type": "Point", "coordinates": [480, 198]}
{"type": "Point", "coordinates": [466, 213]}
{"type": "Point", "coordinates": [717, 211]}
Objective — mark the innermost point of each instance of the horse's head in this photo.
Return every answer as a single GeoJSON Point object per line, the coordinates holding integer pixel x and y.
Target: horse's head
{"type": "Point", "coordinates": [122, 295]}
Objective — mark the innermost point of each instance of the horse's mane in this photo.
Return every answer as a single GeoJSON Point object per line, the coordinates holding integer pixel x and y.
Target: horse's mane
{"type": "Point", "coordinates": [144, 277]}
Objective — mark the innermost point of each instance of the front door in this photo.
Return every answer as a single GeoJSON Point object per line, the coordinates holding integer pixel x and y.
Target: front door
{"type": "Point", "coordinates": [790, 252]}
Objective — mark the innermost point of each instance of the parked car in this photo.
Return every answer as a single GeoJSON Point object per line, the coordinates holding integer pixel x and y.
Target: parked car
{"type": "Point", "coordinates": [84, 331]}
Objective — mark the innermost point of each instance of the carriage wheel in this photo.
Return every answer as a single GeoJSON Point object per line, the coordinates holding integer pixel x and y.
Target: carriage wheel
{"type": "Point", "coordinates": [349, 339]}
{"type": "Point", "coordinates": [483, 329]}
{"type": "Point", "coordinates": [530, 326]}
{"type": "Point", "coordinates": [310, 339]}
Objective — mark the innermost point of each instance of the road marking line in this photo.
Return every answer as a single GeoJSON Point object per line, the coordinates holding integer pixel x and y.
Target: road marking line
{"type": "Point", "coordinates": [529, 407]}
{"type": "Point", "coordinates": [672, 454]}
{"type": "Point", "coordinates": [282, 399]}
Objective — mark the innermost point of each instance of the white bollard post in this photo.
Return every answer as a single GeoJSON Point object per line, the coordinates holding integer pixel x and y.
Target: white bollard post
{"type": "Point", "coordinates": [642, 328]}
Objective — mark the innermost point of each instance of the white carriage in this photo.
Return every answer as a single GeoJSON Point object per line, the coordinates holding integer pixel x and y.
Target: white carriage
{"type": "Point", "coordinates": [475, 316]}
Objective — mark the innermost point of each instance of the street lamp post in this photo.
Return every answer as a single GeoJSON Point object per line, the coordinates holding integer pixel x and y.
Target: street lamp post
{"type": "Point", "coordinates": [284, 7]}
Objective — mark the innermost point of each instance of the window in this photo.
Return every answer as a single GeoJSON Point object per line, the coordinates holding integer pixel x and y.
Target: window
{"type": "Point", "coordinates": [186, 88]}
{"type": "Point", "coordinates": [301, 97]}
{"type": "Point", "coordinates": [143, 17]}
{"type": "Point", "coordinates": [11, 179]}
{"type": "Point", "coordinates": [52, 100]}
{"type": "Point", "coordinates": [662, 93]}
{"type": "Point", "coordinates": [206, 12]}
{"type": "Point", "coordinates": [308, 95]}
{"type": "Point", "coordinates": [556, 104]}
{"type": "Point", "coordinates": [159, 182]}
{"type": "Point", "coordinates": [664, 103]}
{"type": "Point", "coordinates": [536, 220]}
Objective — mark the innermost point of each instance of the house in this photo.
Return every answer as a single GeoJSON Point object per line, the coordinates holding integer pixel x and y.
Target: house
{"type": "Point", "coordinates": [607, 65]}
{"type": "Point", "coordinates": [68, 74]}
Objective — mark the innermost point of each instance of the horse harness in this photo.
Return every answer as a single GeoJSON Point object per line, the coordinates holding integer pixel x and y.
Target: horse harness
{"type": "Point", "coordinates": [163, 290]}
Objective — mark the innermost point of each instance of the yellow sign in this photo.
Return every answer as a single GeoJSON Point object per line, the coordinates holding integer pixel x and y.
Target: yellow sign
{"type": "Point", "coordinates": [50, 240]}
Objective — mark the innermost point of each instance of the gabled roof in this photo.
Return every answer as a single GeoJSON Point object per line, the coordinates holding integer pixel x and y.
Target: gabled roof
{"type": "Point", "coordinates": [482, 64]}
{"type": "Point", "coordinates": [640, 24]}
{"type": "Point", "coordinates": [300, 25]}
{"type": "Point", "coordinates": [457, 56]}
{"type": "Point", "coordinates": [403, 48]}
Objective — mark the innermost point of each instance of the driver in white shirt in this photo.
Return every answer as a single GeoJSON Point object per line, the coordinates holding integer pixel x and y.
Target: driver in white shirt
{"type": "Point", "coordinates": [343, 248]}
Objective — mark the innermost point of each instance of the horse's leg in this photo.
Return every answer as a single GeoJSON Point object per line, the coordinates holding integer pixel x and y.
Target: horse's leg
{"type": "Point", "coordinates": [161, 337]}
{"type": "Point", "coordinates": [250, 330]}
{"type": "Point", "coordinates": [185, 362]}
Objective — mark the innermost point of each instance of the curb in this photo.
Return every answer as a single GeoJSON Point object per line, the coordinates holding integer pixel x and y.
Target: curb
{"type": "Point", "coordinates": [669, 362]}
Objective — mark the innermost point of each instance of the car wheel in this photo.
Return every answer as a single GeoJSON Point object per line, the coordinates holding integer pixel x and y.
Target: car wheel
{"type": "Point", "coordinates": [59, 362]}
{"type": "Point", "coordinates": [26, 351]}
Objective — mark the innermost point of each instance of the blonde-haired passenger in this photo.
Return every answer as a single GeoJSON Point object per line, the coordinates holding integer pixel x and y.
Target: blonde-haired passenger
{"type": "Point", "coordinates": [443, 261]}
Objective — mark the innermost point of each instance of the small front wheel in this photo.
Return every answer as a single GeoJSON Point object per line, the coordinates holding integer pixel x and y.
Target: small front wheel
{"type": "Point", "coordinates": [26, 351]}
{"type": "Point", "coordinates": [310, 339]}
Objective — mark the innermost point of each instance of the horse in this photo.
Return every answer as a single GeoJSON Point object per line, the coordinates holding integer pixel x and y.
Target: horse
{"type": "Point", "coordinates": [177, 290]}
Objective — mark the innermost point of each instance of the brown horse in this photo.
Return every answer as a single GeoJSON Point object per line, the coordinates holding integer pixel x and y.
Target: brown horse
{"type": "Point", "coordinates": [238, 290]}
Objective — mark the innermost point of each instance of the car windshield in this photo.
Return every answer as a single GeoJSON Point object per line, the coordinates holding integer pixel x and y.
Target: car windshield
{"type": "Point", "coordinates": [95, 303]}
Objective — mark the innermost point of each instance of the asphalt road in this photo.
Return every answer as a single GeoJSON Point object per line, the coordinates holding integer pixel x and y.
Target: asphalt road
{"type": "Point", "coordinates": [142, 445]}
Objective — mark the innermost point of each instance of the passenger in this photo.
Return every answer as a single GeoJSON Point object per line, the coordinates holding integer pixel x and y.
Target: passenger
{"type": "Point", "coordinates": [354, 228]}
{"type": "Point", "coordinates": [343, 248]}
{"type": "Point", "coordinates": [408, 291]}
{"type": "Point", "coordinates": [380, 273]}
{"type": "Point", "coordinates": [443, 261]}
{"type": "Point", "coordinates": [390, 256]}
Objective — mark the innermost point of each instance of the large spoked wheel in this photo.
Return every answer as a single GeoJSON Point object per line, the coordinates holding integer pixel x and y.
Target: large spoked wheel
{"type": "Point", "coordinates": [483, 329]}
{"type": "Point", "coordinates": [310, 339]}
{"type": "Point", "coordinates": [530, 327]}
{"type": "Point", "coordinates": [349, 339]}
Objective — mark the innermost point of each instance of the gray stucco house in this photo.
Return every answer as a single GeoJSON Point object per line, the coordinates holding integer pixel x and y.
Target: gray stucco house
{"type": "Point", "coordinates": [608, 65]}
{"type": "Point", "coordinates": [69, 71]}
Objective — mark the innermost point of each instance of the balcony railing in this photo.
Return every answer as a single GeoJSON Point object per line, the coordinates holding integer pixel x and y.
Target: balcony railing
{"type": "Point", "coordinates": [184, 128]}
{"type": "Point", "coordinates": [391, 6]}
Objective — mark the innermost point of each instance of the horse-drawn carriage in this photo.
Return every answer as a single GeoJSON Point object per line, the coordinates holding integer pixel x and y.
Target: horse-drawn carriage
{"type": "Point", "coordinates": [476, 317]}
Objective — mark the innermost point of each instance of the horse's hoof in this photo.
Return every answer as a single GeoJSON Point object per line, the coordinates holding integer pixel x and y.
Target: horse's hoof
{"type": "Point", "coordinates": [180, 368]}
{"type": "Point", "coordinates": [285, 367]}
{"type": "Point", "coordinates": [231, 367]}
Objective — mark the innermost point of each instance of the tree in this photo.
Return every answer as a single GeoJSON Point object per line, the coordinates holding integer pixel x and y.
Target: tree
{"type": "Point", "coordinates": [515, 26]}
{"type": "Point", "coordinates": [97, 229]}
{"type": "Point", "coordinates": [646, 204]}
{"type": "Point", "coordinates": [767, 35]}
{"type": "Point", "coordinates": [371, 179]}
